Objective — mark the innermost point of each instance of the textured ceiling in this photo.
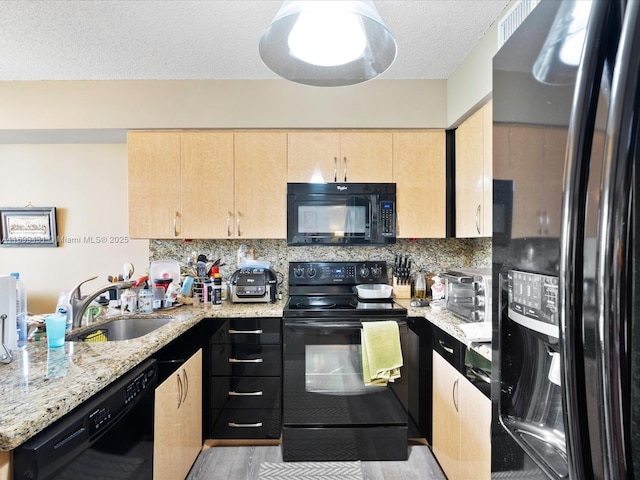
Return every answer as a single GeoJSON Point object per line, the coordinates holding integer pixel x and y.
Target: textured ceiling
{"type": "Point", "coordinates": [209, 39]}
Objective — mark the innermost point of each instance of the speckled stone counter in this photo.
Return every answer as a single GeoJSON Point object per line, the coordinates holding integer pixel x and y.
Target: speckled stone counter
{"type": "Point", "coordinates": [448, 322]}
{"type": "Point", "coordinates": [41, 385]}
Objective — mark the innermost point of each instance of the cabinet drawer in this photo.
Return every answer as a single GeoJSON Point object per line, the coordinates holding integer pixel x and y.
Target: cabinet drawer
{"type": "Point", "coordinates": [246, 423]}
{"type": "Point", "coordinates": [449, 348]}
{"type": "Point", "coordinates": [245, 392]}
{"type": "Point", "coordinates": [248, 331]}
{"type": "Point", "coordinates": [249, 360]}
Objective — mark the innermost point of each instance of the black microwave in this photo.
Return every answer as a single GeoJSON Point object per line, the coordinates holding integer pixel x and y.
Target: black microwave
{"type": "Point", "coordinates": [341, 213]}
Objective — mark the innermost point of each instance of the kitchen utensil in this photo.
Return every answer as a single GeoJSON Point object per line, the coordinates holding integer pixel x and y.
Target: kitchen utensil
{"type": "Point", "coordinates": [419, 303]}
{"type": "Point", "coordinates": [127, 271]}
{"type": "Point", "coordinates": [374, 291]}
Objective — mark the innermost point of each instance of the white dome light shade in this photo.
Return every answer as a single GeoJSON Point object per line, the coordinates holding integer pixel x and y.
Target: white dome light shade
{"type": "Point", "coordinates": [327, 43]}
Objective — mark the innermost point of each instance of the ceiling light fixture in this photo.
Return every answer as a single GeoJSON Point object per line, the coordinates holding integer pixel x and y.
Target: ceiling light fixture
{"type": "Point", "coordinates": [327, 43]}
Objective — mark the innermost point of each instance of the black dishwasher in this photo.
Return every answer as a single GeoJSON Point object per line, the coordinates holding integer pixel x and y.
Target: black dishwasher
{"type": "Point", "coordinates": [108, 436]}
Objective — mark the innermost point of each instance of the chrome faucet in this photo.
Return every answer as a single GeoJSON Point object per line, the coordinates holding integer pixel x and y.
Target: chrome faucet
{"type": "Point", "coordinates": [79, 303]}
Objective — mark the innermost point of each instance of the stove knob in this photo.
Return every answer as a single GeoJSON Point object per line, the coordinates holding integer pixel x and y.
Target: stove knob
{"type": "Point", "coordinates": [363, 271]}
{"type": "Point", "coordinates": [376, 271]}
{"type": "Point", "coordinates": [298, 271]}
{"type": "Point", "coordinates": [311, 272]}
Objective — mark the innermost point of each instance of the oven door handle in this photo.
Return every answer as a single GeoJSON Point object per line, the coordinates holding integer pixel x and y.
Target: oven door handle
{"type": "Point", "coordinates": [323, 326]}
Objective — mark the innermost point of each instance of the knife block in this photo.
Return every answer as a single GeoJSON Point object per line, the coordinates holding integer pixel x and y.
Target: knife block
{"type": "Point", "coordinates": [401, 291]}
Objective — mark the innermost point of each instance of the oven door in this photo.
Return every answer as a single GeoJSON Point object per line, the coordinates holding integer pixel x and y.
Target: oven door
{"type": "Point", "coordinates": [323, 384]}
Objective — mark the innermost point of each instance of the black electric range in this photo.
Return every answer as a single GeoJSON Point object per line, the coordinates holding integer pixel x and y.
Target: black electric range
{"type": "Point", "coordinates": [328, 412]}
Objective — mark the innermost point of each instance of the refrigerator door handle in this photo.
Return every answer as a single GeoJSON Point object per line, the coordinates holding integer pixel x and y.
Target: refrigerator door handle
{"type": "Point", "coordinates": [579, 143]}
{"type": "Point", "coordinates": [613, 273]}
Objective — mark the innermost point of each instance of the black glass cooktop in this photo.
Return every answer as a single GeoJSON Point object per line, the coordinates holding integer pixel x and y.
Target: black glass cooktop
{"type": "Point", "coordinates": [341, 305]}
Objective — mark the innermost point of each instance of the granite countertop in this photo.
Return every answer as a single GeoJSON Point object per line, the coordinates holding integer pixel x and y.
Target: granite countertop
{"type": "Point", "coordinates": [447, 321]}
{"type": "Point", "coordinates": [41, 385]}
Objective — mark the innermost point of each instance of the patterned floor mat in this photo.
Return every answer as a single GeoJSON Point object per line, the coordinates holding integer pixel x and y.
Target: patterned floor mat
{"type": "Point", "coordinates": [311, 471]}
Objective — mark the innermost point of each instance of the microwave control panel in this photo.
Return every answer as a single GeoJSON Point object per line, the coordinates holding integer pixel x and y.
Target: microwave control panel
{"type": "Point", "coordinates": [387, 218]}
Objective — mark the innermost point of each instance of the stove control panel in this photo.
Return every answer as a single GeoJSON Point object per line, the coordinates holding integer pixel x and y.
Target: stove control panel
{"type": "Point", "coordinates": [331, 273]}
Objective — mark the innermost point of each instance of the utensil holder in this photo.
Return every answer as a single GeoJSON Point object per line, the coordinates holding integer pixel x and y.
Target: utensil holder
{"type": "Point", "coordinates": [401, 291]}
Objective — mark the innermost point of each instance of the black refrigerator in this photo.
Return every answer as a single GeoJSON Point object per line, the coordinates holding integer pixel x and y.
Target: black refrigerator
{"type": "Point", "coordinates": [566, 332]}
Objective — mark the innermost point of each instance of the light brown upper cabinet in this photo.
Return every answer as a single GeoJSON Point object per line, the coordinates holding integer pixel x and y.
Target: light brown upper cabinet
{"type": "Point", "coordinates": [474, 175]}
{"type": "Point", "coordinates": [207, 184]}
{"type": "Point", "coordinates": [260, 185]}
{"type": "Point", "coordinates": [419, 171]}
{"type": "Point", "coordinates": [331, 156]}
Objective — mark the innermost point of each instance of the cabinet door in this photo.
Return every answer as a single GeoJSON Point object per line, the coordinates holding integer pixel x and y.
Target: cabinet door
{"type": "Point", "coordinates": [487, 170]}
{"type": "Point", "coordinates": [475, 432]}
{"type": "Point", "coordinates": [446, 421]}
{"type": "Point", "coordinates": [260, 173]}
{"type": "Point", "coordinates": [178, 421]}
{"type": "Point", "coordinates": [207, 184]}
{"type": "Point", "coordinates": [366, 157]}
{"type": "Point", "coordinates": [470, 177]}
{"type": "Point", "coordinates": [154, 184]}
{"type": "Point", "coordinates": [419, 171]}
{"type": "Point", "coordinates": [313, 156]}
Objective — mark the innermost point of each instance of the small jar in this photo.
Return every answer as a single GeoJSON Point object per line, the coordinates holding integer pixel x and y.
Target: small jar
{"type": "Point", "coordinates": [145, 301]}
{"type": "Point", "coordinates": [437, 289]}
{"type": "Point", "coordinates": [129, 302]}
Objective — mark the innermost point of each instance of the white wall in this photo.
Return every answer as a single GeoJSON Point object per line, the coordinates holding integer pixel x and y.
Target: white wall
{"type": "Point", "coordinates": [88, 186]}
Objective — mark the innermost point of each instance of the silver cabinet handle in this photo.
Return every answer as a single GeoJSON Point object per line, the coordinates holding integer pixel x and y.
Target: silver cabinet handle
{"type": "Point", "coordinates": [344, 164]}
{"type": "Point", "coordinates": [445, 347]}
{"type": "Point", "coordinates": [245, 425]}
{"type": "Point", "coordinates": [478, 219]}
{"type": "Point", "coordinates": [244, 394]}
{"type": "Point", "coordinates": [175, 224]}
{"type": "Point", "coordinates": [228, 224]}
{"type": "Point", "coordinates": [239, 332]}
{"type": "Point", "coordinates": [248, 360]}
{"type": "Point", "coordinates": [179, 390]}
{"type": "Point", "coordinates": [335, 169]}
{"type": "Point", "coordinates": [454, 395]}
{"type": "Point", "coordinates": [238, 223]}
{"type": "Point", "coordinates": [186, 385]}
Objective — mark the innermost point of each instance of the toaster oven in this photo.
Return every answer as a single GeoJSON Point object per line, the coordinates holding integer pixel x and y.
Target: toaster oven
{"type": "Point", "coordinates": [468, 293]}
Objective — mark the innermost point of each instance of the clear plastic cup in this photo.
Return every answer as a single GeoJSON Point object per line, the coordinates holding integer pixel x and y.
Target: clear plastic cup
{"type": "Point", "coordinates": [56, 326]}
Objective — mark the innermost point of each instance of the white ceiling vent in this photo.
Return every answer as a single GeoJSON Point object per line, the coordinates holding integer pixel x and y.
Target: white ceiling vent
{"type": "Point", "coordinates": [514, 18]}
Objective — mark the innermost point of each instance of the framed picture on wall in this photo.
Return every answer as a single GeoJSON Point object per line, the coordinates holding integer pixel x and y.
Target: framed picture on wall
{"type": "Point", "coordinates": [28, 227]}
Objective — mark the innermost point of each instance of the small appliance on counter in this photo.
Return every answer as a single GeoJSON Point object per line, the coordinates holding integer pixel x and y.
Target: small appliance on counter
{"type": "Point", "coordinates": [253, 285]}
{"type": "Point", "coordinates": [468, 293]}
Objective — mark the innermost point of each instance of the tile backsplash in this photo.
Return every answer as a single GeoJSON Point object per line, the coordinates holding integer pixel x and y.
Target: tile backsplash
{"type": "Point", "coordinates": [431, 255]}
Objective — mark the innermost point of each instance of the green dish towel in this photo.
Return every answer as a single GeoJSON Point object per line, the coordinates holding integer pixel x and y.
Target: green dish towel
{"type": "Point", "coordinates": [381, 352]}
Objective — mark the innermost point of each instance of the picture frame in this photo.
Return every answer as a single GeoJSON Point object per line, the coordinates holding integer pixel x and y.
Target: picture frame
{"type": "Point", "coordinates": [28, 227]}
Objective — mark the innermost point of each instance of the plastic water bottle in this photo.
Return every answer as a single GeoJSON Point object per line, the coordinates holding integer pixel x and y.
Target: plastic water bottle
{"type": "Point", "coordinates": [64, 307]}
{"type": "Point", "coordinates": [21, 309]}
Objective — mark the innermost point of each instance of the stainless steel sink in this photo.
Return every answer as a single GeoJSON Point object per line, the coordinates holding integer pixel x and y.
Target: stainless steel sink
{"type": "Point", "coordinates": [120, 329]}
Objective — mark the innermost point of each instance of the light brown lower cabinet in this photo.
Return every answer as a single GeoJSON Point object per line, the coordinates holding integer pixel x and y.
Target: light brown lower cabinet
{"type": "Point", "coordinates": [177, 437]}
{"type": "Point", "coordinates": [461, 424]}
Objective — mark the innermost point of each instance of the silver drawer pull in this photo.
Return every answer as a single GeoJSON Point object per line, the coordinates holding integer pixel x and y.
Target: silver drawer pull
{"type": "Point", "coordinates": [249, 360]}
{"type": "Point", "coordinates": [445, 347]}
{"type": "Point", "coordinates": [244, 425]}
{"type": "Point", "coordinates": [244, 394]}
{"type": "Point", "coordinates": [238, 332]}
